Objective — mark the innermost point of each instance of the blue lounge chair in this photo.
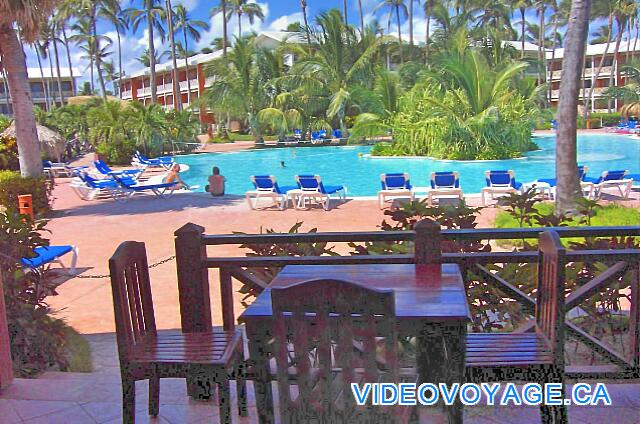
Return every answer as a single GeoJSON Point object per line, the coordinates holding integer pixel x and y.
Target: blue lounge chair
{"type": "Point", "coordinates": [323, 133]}
{"type": "Point", "coordinates": [337, 133]}
{"type": "Point", "coordinates": [297, 134]}
{"type": "Point", "coordinates": [582, 175]}
{"type": "Point", "coordinates": [394, 185]}
{"type": "Point", "coordinates": [554, 124]}
{"type": "Point", "coordinates": [50, 254]}
{"type": "Point", "coordinates": [267, 186]}
{"type": "Point", "coordinates": [444, 184]}
{"type": "Point", "coordinates": [500, 182]}
{"type": "Point", "coordinates": [616, 179]}
{"type": "Point", "coordinates": [88, 187]}
{"type": "Point", "coordinates": [130, 187]}
{"type": "Point", "coordinates": [140, 161]}
{"type": "Point", "coordinates": [311, 188]}
{"type": "Point", "coordinates": [104, 169]}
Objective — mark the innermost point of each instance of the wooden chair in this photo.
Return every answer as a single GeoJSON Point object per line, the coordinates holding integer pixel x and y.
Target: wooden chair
{"type": "Point", "coordinates": [537, 356]}
{"type": "Point", "coordinates": [327, 335]}
{"type": "Point", "coordinates": [144, 354]}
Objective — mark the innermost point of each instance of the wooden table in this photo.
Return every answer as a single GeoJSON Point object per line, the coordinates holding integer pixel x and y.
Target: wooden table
{"type": "Point", "coordinates": [431, 304]}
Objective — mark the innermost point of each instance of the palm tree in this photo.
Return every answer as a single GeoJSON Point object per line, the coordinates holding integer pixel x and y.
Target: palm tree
{"type": "Point", "coordinates": [28, 16]}
{"type": "Point", "coordinates": [361, 15]}
{"type": "Point", "coordinates": [153, 15]}
{"type": "Point", "coordinates": [175, 81]}
{"type": "Point", "coordinates": [145, 57]}
{"type": "Point", "coordinates": [113, 13]}
{"type": "Point", "coordinates": [541, 9]}
{"type": "Point", "coordinates": [428, 12]}
{"type": "Point", "coordinates": [148, 124]}
{"type": "Point", "coordinates": [623, 12]}
{"type": "Point", "coordinates": [250, 10]}
{"type": "Point", "coordinates": [38, 47]}
{"type": "Point", "coordinates": [303, 6]}
{"type": "Point", "coordinates": [111, 75]}
{"type": "Point", "coordinates": [568, 190]}
{"type": "Point", "coordinates": [601, 35]}
{"type": "Point", "coordinates": [65, 13]}
{"type": "Point", "coordinates": [397, 7]}
{"type": "Point", "coordinates": [522, 5]}
{"type": "Point", "coordinates": [53, 32]}
{"type": "Point", "coordinates": [190, 28]}
{"type": "Point", "coordinates": [222, 9]}
{"type": "Point", "coordinates": [411, 19]}
{"type": "Point", "coordinates": [338, 66]}
{"type": "Point", "coordinates": [344, 12]}
{"type": "Point", "coordinates": [601, 8]}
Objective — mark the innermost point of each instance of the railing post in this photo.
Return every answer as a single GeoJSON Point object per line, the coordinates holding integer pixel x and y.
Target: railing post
{"type": "Point", "coordinates": [634, 318]}
{"type": "Point", "coordinates": [428, 249]}
{"type": "Point", "coordinates": [193, 279]}
{"type": "Point", "coordinates": [226, 298]}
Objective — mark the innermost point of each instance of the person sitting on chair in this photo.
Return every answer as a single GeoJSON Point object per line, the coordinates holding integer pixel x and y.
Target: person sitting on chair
{"type": "Point", "coordinates": [216, 183]}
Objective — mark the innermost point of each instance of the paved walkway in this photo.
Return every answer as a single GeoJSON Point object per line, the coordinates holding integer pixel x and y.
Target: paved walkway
{"type": "Point", "coordinates": [74, 398]}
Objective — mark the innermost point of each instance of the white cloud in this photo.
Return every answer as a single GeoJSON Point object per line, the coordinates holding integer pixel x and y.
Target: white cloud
{"type": "Point", "coordinates": [283, 22]}
{"type": "Point", "coordinates": [188, 4]}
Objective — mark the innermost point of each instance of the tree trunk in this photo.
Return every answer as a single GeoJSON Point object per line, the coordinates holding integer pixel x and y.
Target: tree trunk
{"type": "Point", "coordinates": [66, 45]}
{"type": "Point", "coordinates": [523, 28]}
{"type": "Point", "coordinates": [58, 79]}
{"type": "Point", "coordinates": [399, 34]}
{"type": "Point", "coordinates": [543, 52]}
{"type": "Point", "coordinates": [42, 79]}
{"type": "Point", "coordinates": [186, 62]}
{"type": "Point", "coordinates": [225, 43]}
{"type": "Point", "coordinates": [427, 12]}
{"type": "Point", "coordinates": [411, 22]}
{"type": "Point", "coordinates": [361, 16]}
{"type": "Point", "coordinates": [15, 68]}
{"type": "Point", "coordinates": [152, 53]}
{"type": "Point", "coordinates": [568, 189]}
{"type": "Point", "coordinates": [635, 40]}
{"type": "Point", "coordinates": [177, 97]}
{"type": "Point", "coordinates": [51, 92]}
{"type": "Point", "coordinates": [119, 62]}
{"type": "Point", "coordinates": [98, 52]}
{"type": "Point", "coordinates": [239, 25]}
{"type": "Point", "coordinates": [614, 65]}
{"type": "Point", "coordinates": [585, 113]}
{"type": "Point", "coordinates": [553, 56]}
{"type": "Point", "coordinates": [303, 5]}
{"type": "Point", "coordinates": [344, 8]}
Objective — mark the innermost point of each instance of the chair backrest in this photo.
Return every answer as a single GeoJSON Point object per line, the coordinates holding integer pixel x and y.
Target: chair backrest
{"type": "Point", "coordinates": [315, 135]}
{"type": "Point", "coordinates": [612, 176]}
{"type": "Point", "coordinates": [132, 301]}
{"type": "Point", "coordinates": [102, 167]}
{"type": "Point", "coordinates": [394, 181]}
{"type": "Point", "coordinates": [309, 183]}
{"type": "Point", "coordinates": [325, 326]}
{"type": "Point", "coordinates": [445, 180]}
{"type": "Point", "coordinates": [323, 133]}
{"type": "Point", "coordinates": [264, 182]}
{"type": "Point", "coordinates": [582, 172]}
{"type": "Point", "coordinates": [337, 133]}
{"type": "Point", "coordinates": [500, 178]}
{"type": "Point", "coordinates": [632, 125]}
{"type": "Point", "coordinates": [550, 293]}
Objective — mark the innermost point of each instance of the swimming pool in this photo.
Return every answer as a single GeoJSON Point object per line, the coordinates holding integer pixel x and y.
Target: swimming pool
{"type": "Point", "coordinates": [351, 166]}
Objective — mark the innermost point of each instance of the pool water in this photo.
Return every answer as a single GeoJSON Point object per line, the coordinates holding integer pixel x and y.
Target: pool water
{"type": "Point", "coordinates": [350, 165]}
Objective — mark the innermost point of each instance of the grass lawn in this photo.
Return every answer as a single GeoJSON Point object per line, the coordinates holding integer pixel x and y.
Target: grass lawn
{"type": "Point", "coordinates": [609, 215]}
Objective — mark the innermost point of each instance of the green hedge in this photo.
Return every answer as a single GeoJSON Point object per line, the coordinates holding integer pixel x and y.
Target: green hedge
{"type": "Point", "coordinates": [13, 184]}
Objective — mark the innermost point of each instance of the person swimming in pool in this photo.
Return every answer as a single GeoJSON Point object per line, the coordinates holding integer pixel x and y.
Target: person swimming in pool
{"type": "Point", "coordinates": [173, 176]}
{"type": "Point", "coordinates": [282, 164]}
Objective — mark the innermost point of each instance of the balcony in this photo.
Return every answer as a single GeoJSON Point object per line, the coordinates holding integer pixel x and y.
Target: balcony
{"type": "Point", "coordinates": [127, 94]}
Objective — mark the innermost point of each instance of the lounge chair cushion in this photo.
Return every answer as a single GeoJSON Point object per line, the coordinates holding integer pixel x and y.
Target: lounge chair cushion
{"type": "Point", "coordinates": [445, 179]}
{"type": "Point", "coordinates": [395, 181]}
{"type": "Point", "coordinates": [330, 189]}
{"type": "Point", "coordinates": [608, 176]}
{"type": "Point", "coordinates": [45, 254]}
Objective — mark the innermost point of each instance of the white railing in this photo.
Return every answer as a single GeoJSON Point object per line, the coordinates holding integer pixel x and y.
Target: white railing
{"type": "Point", "coordinates": [127, 94]}
{"type": "Point", "coordinates": [209, 81]}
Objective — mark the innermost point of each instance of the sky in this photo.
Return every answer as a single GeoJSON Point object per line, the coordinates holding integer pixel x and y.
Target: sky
{"type": "Point", "coordinates": [278, 15]}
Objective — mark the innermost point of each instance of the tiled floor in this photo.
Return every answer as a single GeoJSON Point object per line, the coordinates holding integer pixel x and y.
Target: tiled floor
{"type": "Point", "coordinates": [72, 398]}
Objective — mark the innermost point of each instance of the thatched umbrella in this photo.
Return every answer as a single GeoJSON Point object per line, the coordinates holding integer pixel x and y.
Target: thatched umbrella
{"type": "Point", "coordinates": [52, 144]}
{"type": "Point", "coordinates": [630, 109]}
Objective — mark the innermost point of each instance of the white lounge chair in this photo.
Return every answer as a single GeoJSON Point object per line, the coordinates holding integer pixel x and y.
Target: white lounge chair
{"type": "Point", "coordinates": [266, 186]}
{"type": "Point", "coordinates": [444, 184]}
{"type": "Point", "coordinates": [499, 182]}
{"type": "Point", "coordinates": [394, 185]}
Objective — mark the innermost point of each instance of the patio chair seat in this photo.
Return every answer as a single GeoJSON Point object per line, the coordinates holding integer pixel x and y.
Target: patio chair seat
{"type": "Point", "coordinates": [504, 349]}
{"type": "Point", "coordinates": [45, 254]}
{"type": "Point", "coordinates": [216, 347]}
{"type": "Point", "coordinates": [329, 189]}
{"type": "Point", "coordinates": [395, 185]}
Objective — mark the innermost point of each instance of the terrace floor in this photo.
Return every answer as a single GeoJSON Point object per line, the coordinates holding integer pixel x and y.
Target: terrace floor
{"type": "Point", "coordinates": [95, 398]}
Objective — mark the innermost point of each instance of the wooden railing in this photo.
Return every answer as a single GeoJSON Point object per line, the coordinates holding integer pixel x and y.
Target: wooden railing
{"type": "Point", "coordinates": [427, 240]}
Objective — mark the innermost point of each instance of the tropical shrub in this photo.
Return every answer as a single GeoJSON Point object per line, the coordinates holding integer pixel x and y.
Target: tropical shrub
{"type": "Point", "coordinates": [9, 153]}
{"type": "Point", "coordinates": [468, 108]}
{"type": "Point", "coordinates": [12, 184]}
{"type": "Point", "coordinates": [37, 339]}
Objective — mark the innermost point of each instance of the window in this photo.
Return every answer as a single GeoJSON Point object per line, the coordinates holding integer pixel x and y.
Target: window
{"type": "Point", "coordinates": [36, 87]}
{"type": "Point", "coordinates": [66, 85]}
{"type": "Point", "coordinates": [587, 83]}
{"type": "Point", "coordinates": [608, 61]}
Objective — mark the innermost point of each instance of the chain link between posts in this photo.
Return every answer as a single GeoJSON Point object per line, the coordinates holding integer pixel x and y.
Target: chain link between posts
{"type": "Point", "coordinates": [162, 262]}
